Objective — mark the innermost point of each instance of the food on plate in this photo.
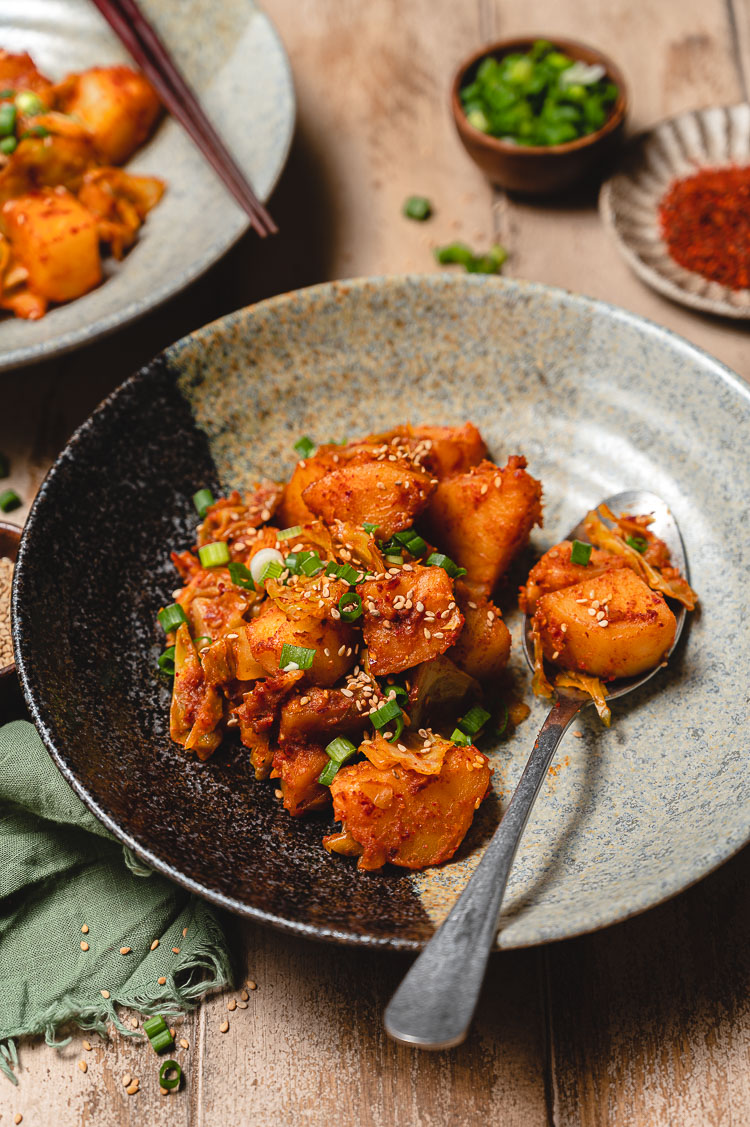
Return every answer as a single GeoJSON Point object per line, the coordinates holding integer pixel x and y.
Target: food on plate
{"type": "Point", "coordinates": [62, 198]}
{"type": "Point", "coordinates": [343, 624]}
{"type": "Point", "coordinates": [538, 97]}
{"type": "Point", "coordinates": [599, 610]}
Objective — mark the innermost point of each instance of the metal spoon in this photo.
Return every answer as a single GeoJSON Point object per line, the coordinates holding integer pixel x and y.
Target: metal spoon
{"type": "Point", "coordinates": [434, 1005]}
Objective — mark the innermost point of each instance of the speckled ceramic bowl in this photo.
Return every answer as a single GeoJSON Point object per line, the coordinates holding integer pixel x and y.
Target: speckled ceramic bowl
{"type": "Point", "coordinates": [232, 56]}
{"type": "Point", "coordinates": [597, 399]}
{"type": "Point", "coordinates": [629, 201]}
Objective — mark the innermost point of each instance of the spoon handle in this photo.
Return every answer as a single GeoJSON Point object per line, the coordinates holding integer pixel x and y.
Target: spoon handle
{"type": "Point", "coordinates": [434, 1005]}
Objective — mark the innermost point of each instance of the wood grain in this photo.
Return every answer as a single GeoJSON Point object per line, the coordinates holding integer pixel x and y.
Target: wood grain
{"type": "Point", "coordinates": [643, 1025]}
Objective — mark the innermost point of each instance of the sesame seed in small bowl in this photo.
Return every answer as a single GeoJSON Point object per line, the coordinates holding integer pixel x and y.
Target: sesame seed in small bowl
{"type": "Point", "coordinates": [539, 116]}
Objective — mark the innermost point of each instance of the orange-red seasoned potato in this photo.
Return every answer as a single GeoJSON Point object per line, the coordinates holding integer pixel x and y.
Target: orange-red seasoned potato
{"type": "Point", "coordinates": [46, 162]}
{"type": "Point", "coordinates": [117, 105]}
{"type": "Point", "coordinates": [298, 767]}
{"type": "Point", "coordinates": [613, 625]}
{"type": "Point", "coordinates": [407, 818]}
{"type": "Point", "coordinates": [442, 451]}
{"type": "Point", "coordinates": [318, 715]}
{"type": "Point", "coordinates": [293, 509]}
{"type": "Point", "coordinates": [388, 494]}
{"type": "Point", "coordinates": [483, 517]}
{"type": "Point", "coordinates": [483, 646]}
{"type": "Point", "coordinates": [267, 634]}
{"type": "Point", "coordinates": [555, 570]}
{"type": "Point", "coordinates": [56, 239]}
{"type": "Point", "coordinates": [408, 618]}
{"type": "Point", "coordinates": [17, 72]}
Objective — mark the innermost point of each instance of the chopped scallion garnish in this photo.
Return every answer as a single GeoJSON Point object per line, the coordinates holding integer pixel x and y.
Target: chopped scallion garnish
{"type": "Point", "coordinates": [580, 553]}
{"type": "Point", "coordinates": [502, 723]}
{"type": "Point", "coordinates": [202, 500]}
{"type": "Point", "coordinates": [417, 207]}
{"type": "Point", "coordinates": [460, 738]}
{"type": "Point", "coordinates": [7, 119]}
{"type": "Point", "coordinates": [638, 542]}
{"type": "Point", "coordinates": [350, 606]}
{"type": "Point", "coordinates": [171, 617]}
{"type": "Point", "coordinates": [288, 533]}
{"type": "Point", "coordinates": [312, 565]}
{"type": "Point", "coordinates": [241, 576]}
{"type": "Point", "coordinates": [9, 500]}
{"type": "Point", "coordinates": [438, 559]}
{"type": "Point", "coordinates": [304, 446]}
{"type": "Point", "coordinates": [474, 720]}
{"type": "Point", "coordinates": [165, 661]}
{"type": "Point", "coordinates": [298, 657]}
{"type": "Point", "coordinates": [8, 145]}
{"type": "Point", "coordinates": [29, 103]}
{"type": "Point", "coordinates": [272, 570]}
{"type": "Point", "coordinates": [391, 558]}
{"type": "Point", "coordinates": [214, 555]}
{"type": "Point", "coordinates": [344, 571]}
{"type": "Point", "coordinates": [382, 717]}
{"type": "Point", "coordinates": [340, 749]}
{"type": "Point", "coordinates": [329, 773]}
{"type": "Point", "coordinates": [166, 1080]}
{"type": "Point", "coordinates": [369, 527]}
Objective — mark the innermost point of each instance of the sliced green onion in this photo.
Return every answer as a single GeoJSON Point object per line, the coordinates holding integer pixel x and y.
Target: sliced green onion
{"type": "Point", "coordinates": [202, 641]}
{"type": "Point", "coordinates": [288, 533]}
{"type": "Point", "coordinates": [30, 103]}
{"type": "Point", "coordinates": [291, 562]}
{"type": "Point", "coordinates": [329, 773]}
{"type": "Point", "coordinates": [171, 617]}
{"type": "Point", "coordinates": [393, 559]}
{"type": "Point", "coordinates": [387, 712]}
{"type": "Point", "coordinates": [438, 559]}
{"type": "Point", "coordinates": [241, 576]}
{"type": "Point", "coordinates": [399, 729]}
{"type": "Point", "coordinates": [474, 720]}
{"type": "Point", "coordinates": [580, 552]}
{"type": "Point", "coordinates": [417, 207]}
{"type": "Point", "coordinates": [9, 93]}
{"type": "Point", "coordinates": [7, 119]}
{"type": "Point", "coordinates": [638, 542]}
{"type": "Point", "coordinates": [461, 255]}
{"type": "Point", "coordinates": [350, 606]}
{"type": "Point", "coordinates": [304, 446]}
{"type": "Point", "coordinates": [312, 565]}
{"type": "Point", "coordinates": [9, 500]}
{"type": "Point", "coordinates": [340, 749]}
{"type": "Point", "coordinates": [370, 527]}
{"type": "Point", "coordinates": [272, 570]}
{"type": "Point", "coordinates": [202, 500]}
{"type": "Point", "coordinates": [162, 1041]}
{"type": "Point", "coordinates": [299, 657]}
{"type": "Point", "coordinates": [4, 465]}
{"type": "Point", "coordinates": [165, 661]}
{"type": "Point", "coordinates": [460, 738]}
{"type": "Point", "coordinates": [399, 690]}
{"type": "Point", "coordinates": [502, 726]}
{"type": "Point", "coordinates": [412, 541]}
{"type": "Point", "coordinates": [154, 1025]}
{"type": "Point", "coordinates": [214, 555]}
{"type": "Point", "coordinates": [36, 131]}
{"type": "Point", "coordinates": [344, 571]}
{"type": "Point", "coordinates": [167, 1081]}
{"type": "Point", "coordinates": [8, 145]}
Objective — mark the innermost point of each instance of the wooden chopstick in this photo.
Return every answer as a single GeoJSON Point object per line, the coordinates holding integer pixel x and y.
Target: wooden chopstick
{"type": "Point", "coordinates": [148, 50]}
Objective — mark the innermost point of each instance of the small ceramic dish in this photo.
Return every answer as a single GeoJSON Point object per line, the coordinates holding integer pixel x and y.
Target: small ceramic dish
{"type": "Point", "coordinates": [540, 169]}
{"type": "Point", "coordinates": [629, 200]}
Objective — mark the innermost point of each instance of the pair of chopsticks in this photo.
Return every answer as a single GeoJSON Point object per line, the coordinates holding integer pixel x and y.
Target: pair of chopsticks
{"type": "Point", "coordinates": [138, 36]}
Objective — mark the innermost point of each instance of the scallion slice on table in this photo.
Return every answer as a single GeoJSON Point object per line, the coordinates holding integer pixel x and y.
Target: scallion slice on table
{"type": "Point", "coordinates": [304, 446]}
{"type": "Point", "coordinates": [171, 617]}
{"type": "Point", "coordinates": [170, 1081]}
{"type": "Point", "coordinates": [382, 717]}
{"type": "Point", "coordinates": [438, 559]}
{"type": "Point", "coordinates": [9, 500]}
{"type": "Point", "coordinates": [417, 207]}
{"type": "Point", "coordinates": [350, 606]}
{"type": "Point", "coordinates": [580, 553]}
{"type": "Point", "coordinates": [241, 575]}
{"type": "Point", "coordinates": [338, 751]}
{"type": "Point", "coordinates": [458, 254]}
{"type": "Point", "coordinates": [214, 555]}
{"type": "Point", "coordinates": [165, 661]}
{"type": "Point", "coordinates": [157, 1031]}
{"type": "Point", "coordinates": [638, 542]}
{"type": "Point", "coordinates": [203, 500]}
{"type": "Point", "coordinates": [298, 657]}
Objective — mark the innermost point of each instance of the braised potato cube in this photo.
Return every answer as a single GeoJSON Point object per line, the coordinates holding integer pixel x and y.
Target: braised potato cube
{"type": "Point", "coordinates": [483, 646]}
{"type": "Point", "coordinates": [268, 633]}
{"type": "Point", "coordinates": [387, 493]}
{"type": "Point", "coordinates": [555, 570]}
{"type": "Point", "coordinates": [442, 451]}
{"type": "Point", "coordinates": [482, 518]}
{"type": "Point", "coordinates": [298, 767]}
{"type": "Point", "coordinates": [407, 818]}
{"type": "Point", "coordinates": [56, 239]}
{"type": "Point", "coordinates": [117, 105]}
{"type": "Point", "coordinates": [318, 715]}
{"type": "Point", "coordinates": [293, 509]}
{"type": "Point", "coordinates": [613, 625]}
{"type": "Point", "coordinates": [18, 72]}
{"type": "Point", "coordinates": [408, 618]}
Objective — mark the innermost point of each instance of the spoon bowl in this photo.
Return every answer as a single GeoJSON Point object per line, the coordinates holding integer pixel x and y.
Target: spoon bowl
{"type": "Point", "coordinates": [434, 1005]}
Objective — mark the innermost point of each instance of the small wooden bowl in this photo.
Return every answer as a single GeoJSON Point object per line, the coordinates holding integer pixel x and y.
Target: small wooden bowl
{"type": "Point", "coordinates": [540, 169]}
{"type": "Point", "coordinates": [10, 538]}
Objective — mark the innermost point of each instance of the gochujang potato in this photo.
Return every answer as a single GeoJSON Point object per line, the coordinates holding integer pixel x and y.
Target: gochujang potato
{"type": "Point", "coordinates": [387, 494]}
{"type": "Point", "coordinates": [483, 646]}
{"type": "Point", "coordinates": [408, 618]}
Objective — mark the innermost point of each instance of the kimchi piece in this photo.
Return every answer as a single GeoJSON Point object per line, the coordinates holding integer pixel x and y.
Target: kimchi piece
{"type": "Point", "coordinates": [64, 200]}
{"type": "Point", "coordinates": [348, 643]}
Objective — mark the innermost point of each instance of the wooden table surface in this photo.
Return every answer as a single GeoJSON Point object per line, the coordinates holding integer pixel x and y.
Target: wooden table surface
{"type": "Point", "coordinates": [646, 1023]}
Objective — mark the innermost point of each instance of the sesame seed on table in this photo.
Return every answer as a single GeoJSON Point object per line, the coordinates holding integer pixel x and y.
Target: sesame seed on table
{"type": "Point", "coordinates": [644, 1024]}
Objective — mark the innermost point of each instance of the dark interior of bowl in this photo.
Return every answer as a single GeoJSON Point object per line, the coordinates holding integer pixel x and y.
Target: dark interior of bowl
{"type": "Point", "coordinates": [105, 570]}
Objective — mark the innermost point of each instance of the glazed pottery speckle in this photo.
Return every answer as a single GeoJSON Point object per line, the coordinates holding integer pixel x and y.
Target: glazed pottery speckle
{"type": "Point", "coordinates": [597, 399]}
{"type": "Point", "coordinates": [629, 202]}
{"type": "Point", "coordinates": [231, 55]}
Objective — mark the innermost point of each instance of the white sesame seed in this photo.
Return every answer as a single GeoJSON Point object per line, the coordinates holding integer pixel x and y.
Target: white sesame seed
{"type": "Point", "coordinates": [603, 622]}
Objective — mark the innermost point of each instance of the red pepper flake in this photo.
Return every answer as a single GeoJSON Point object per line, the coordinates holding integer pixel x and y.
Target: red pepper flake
{"type": "Point", "coordinates": [705, 222]}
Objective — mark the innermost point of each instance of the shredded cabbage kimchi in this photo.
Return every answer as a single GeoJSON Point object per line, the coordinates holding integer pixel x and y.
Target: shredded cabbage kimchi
{"type": "Point", "coordinates": [63, 198]}
{"type": "Point", "coordinates": [342, 626]}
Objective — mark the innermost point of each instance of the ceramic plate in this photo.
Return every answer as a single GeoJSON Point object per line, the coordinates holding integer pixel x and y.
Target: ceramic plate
{"type": "Point", "coordinates": [232, 56]}
{"type": "Point", "coordinates": [598, 400]}
{"type": "Point", "coordinates": [629, 201]}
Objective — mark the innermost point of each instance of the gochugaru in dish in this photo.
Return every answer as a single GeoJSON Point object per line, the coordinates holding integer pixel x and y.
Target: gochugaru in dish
{"type": "Point", "coordinates": [598, 608]}
{"type": "Point", "coordinates": [61, 197]}
{"type": "Point", "coordinates": [344, 624]}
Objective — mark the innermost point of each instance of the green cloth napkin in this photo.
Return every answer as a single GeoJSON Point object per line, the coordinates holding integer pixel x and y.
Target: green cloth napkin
{"type": "Point", "coordinates": [60, 869]}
